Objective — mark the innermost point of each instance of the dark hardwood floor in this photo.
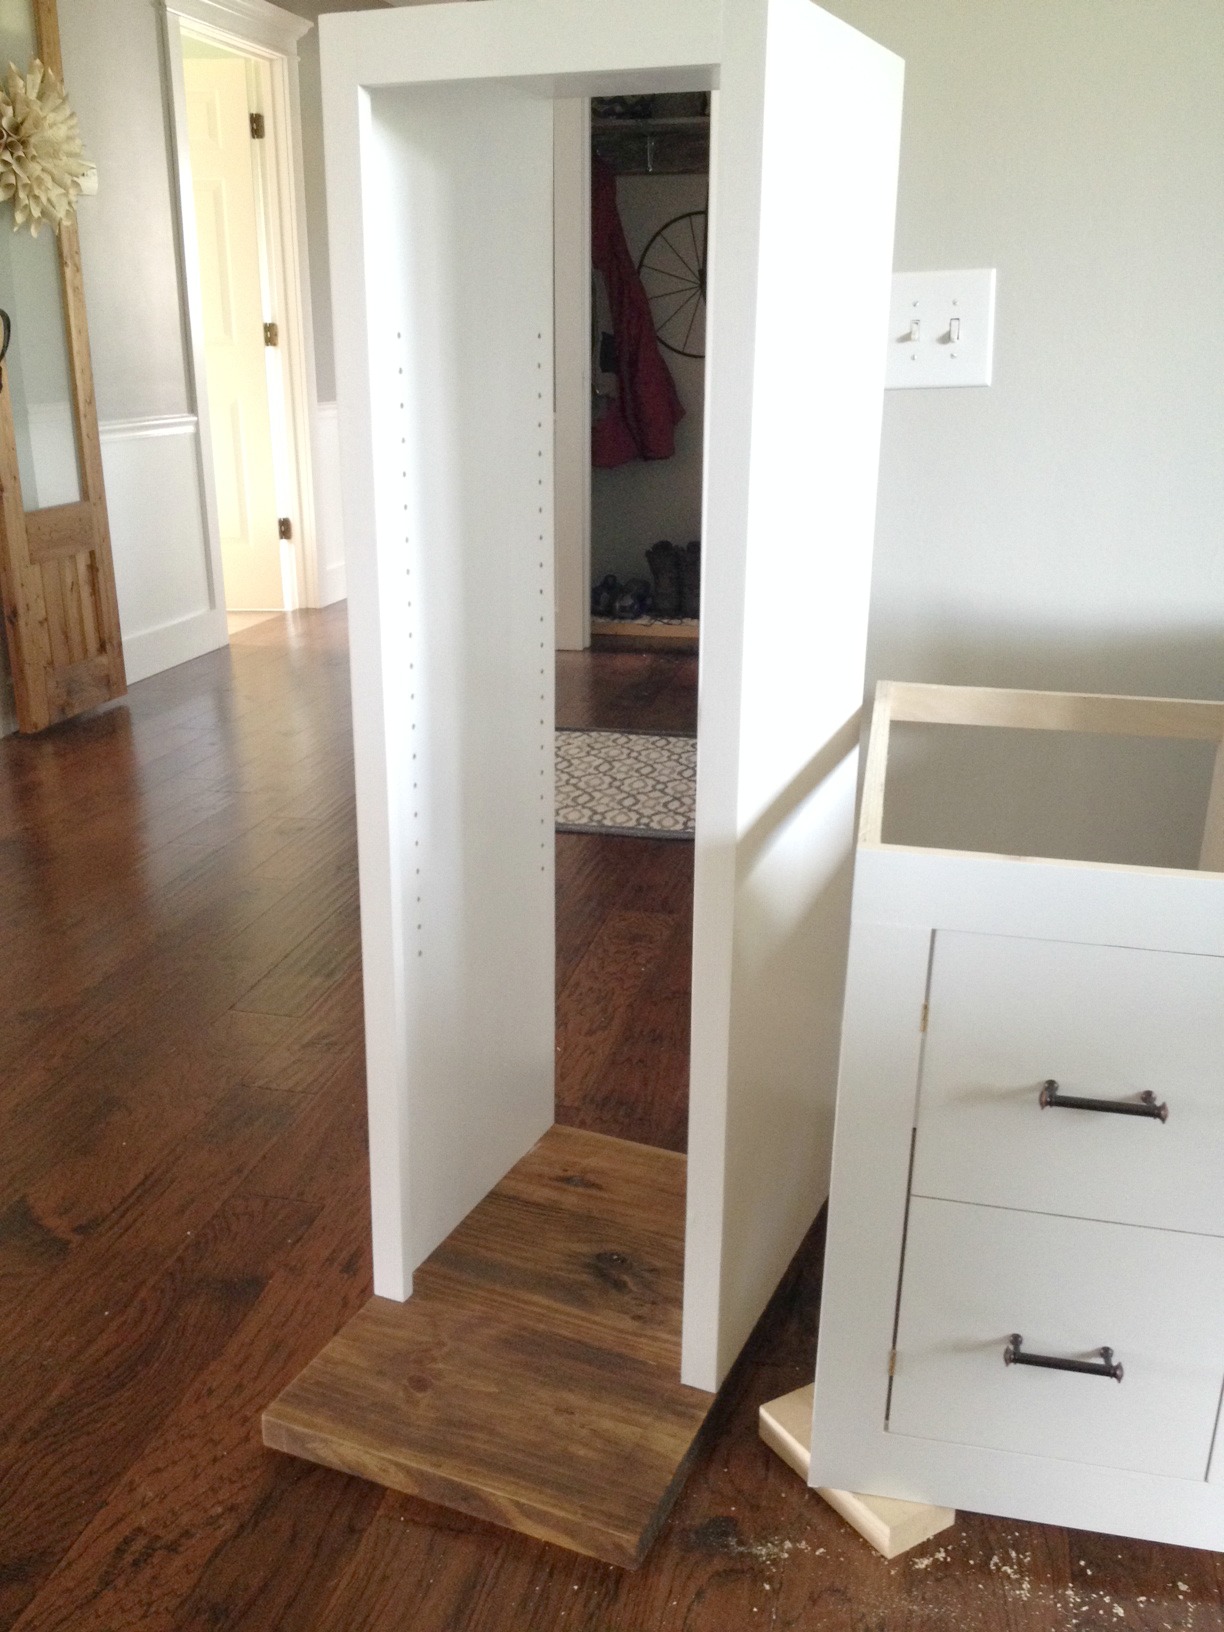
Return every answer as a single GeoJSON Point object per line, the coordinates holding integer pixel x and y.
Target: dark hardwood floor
{"type": "Point", "coordinates": [183, 1210]}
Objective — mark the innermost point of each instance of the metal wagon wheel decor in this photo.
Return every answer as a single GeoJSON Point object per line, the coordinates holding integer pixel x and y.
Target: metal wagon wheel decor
{"type": "Point", "coordinates": [673, 274]}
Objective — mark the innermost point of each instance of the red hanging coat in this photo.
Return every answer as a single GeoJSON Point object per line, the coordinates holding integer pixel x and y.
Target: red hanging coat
{"type": "Point", "coordinates": [641, 422]}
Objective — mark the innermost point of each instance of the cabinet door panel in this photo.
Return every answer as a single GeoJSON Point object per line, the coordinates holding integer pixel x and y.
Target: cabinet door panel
{"type": "Point", "coordinates": [1105, 1022]}
{"type": "Point", "coordinates": [975, 1275]}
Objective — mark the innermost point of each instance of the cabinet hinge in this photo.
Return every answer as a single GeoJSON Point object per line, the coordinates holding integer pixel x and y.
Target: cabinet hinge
{"type": "Point", "coordinates": [926, 1009]}
{"type": "Point", "coordinates": [257, 127]}
{"type": "Point", "coordinates": [892, 1362]}
{"type": "Point", "coordinates": [271, 334]}
{"type": "Point", "coordinates": [284, 527]}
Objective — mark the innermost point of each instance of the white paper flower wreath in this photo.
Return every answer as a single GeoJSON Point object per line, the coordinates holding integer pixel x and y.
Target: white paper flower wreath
{"type": "Point", "coordinates": [42, 160]}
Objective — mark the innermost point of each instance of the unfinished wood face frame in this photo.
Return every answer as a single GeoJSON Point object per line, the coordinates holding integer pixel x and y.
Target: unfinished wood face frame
{"type": "Point", "coordinates": [903, 897]}
{"type": "Point", "coordinates": [57, 578]}
{"type": "Point", "coordinates": [803, 104]}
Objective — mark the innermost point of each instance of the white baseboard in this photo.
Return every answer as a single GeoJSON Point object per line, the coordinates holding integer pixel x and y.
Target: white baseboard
{"type": "Point", "coordinates": [153, 650]}
{"type": "Point", "coordinates": [329, 514]}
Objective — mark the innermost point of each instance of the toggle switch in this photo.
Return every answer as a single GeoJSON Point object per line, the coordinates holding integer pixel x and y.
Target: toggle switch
{"type": "Point", "coordinates": [941, 328]}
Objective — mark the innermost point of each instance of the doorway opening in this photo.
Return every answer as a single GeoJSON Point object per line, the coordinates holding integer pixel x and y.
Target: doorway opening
{"type": "Point", "coordinates": [650, 167]}
{"type": "Point", "coordinates": [627, 704]}
{"type": "Point", "coordinates": [236, 128]}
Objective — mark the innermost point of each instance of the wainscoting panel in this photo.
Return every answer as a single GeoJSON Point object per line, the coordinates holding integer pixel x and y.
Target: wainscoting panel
{"type": "Point", "coordinates": [169, 609]}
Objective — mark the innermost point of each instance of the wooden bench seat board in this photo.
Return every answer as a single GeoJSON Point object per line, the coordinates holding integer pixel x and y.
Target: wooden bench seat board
{"type": "Point", "coordinates": [533, 1378]}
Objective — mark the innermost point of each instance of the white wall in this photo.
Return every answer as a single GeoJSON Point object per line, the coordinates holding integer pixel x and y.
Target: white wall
{"type": "Point", "coordinates": [638, 503]}
{"type": "Point", "coordinates": [1065, 527]}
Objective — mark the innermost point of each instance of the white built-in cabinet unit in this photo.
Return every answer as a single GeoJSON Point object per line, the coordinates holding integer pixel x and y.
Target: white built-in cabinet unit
{"type": "Point", "coordinates": [1023, 1307]}
{"type": "Point", "coordinates": [439, 126]}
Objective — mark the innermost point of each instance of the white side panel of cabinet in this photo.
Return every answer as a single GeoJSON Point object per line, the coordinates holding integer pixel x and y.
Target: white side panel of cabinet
{"type": "Point", "coordinates": [446, 413]}
{"type": "Point", "coordinates": [803, 194]}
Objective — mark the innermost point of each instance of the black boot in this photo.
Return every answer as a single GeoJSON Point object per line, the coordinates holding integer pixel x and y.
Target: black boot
{"type": "Point", "coordinates": [633, 600]}
{"type": "Point", "coordinates": [690, 580]}
{"type": "Point", "coordinates": [664, 561]}
{"type": "Point", "coordinates": [603, 596]}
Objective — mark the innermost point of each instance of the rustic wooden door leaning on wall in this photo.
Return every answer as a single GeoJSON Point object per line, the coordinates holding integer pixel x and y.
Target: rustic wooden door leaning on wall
{"type": "Point", "coordinates": [57, 578]}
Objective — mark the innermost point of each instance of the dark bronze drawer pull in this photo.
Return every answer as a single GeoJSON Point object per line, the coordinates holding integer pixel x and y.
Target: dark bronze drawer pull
{"type": "Point", "coordinates": [1145, 1105]}
{"type": "Point", "coordinates": [1106, 1366]}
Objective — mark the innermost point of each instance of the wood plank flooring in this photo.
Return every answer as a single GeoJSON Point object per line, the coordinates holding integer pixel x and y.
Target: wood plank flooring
{"type": "Point", "coordinates": [183, 1211]}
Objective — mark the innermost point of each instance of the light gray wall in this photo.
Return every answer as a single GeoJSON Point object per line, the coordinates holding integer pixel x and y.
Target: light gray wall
{"type": "Point", "coordinates": [113, 74]}
{"type": "Point", "coordinates": [638, 503]}
{"type": "Point", "coordinates": [1065, 527]}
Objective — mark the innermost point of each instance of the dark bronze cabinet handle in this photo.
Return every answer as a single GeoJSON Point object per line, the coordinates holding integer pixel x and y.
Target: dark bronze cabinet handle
{"type": "Point", "coordinates": [1052, 1095]}
{"type": "Point", "coordinates": [6, 334]}
{"type": "Point", "coordinates": [1106, 1366]}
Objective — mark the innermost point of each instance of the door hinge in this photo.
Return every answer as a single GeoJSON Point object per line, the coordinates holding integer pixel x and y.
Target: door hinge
{"type": "Point", "coordinates": [258, 129]}
{"type": "Point", "coordinates": [892, 1362]}
{"type": "Point", "coordinates": [284, 527]}
{"type": "Point", "coordinates": [271, 334]}
{"type": "Point", "coordinates": [926, 1011]}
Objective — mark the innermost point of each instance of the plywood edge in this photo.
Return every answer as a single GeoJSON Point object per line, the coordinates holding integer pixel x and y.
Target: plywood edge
{"type": "Point", "coordinates": [1211, 857]}
{"type": "Point", "coordinates": [1093, 712]}
{"type": "Point", "coordinates": [871, 812]}
{"type": "Point", "coordinates": [891, 1526]}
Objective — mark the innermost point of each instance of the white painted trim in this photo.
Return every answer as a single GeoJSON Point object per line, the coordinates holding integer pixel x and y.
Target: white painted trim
{"type": "Point", "coordinates": [149, 425]}
{"type": "Point", "coordinates": [259, 30]}
{"type": "Point", "coordinates": [329, 505]}
{"type": "Point", "coordinates": [150, 651]}
{"type": "Point", "coordinates": [254, 22]}
{"type": "Point", "coordinates": [192, 297]}
{"type": "Point", "coordinates": [572, 369]}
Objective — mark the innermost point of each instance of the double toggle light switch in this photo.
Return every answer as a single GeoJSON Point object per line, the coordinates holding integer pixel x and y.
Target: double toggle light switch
{"type": "Point", "coordinates": [941, 328]}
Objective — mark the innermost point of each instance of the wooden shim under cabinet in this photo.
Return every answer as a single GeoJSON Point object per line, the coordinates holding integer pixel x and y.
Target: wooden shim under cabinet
{"type": "Point", "coordinates": [892, 1527]}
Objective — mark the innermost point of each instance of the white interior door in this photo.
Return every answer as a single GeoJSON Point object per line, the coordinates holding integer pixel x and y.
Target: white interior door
{"type": "Point", "coordinates": [223, 182]}
{"type": "Point", "coordinates": [803, 198]}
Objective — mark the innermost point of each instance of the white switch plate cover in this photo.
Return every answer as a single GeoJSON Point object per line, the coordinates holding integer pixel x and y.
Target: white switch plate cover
{"type": "Point", "coordinates": [941, 328]}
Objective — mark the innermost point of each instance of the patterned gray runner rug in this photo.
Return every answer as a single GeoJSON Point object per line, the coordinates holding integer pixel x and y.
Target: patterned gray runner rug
{"type": "Point", "coordinates": [626, 782]}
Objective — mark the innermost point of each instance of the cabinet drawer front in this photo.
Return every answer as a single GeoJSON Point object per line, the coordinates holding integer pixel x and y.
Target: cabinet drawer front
{"type": "Point", "coordinates": [1107, 1023]}
{"type": "Point", "coordinates": [973, 1276]}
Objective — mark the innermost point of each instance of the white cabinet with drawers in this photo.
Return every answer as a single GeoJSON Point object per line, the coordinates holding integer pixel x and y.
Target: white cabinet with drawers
{"type": "Point", "coordinates": [1023, 1307]}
